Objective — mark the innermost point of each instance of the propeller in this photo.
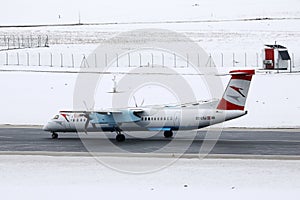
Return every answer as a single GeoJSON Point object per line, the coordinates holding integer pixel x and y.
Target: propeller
{"type": "Point", "coordinates": [87, 116]}
{"type": "Point", "coordinates": [135, 102]}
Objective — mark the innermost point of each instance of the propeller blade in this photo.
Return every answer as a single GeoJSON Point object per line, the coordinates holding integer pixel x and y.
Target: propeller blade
{"type": "Point", "coordinates": [135, 101]}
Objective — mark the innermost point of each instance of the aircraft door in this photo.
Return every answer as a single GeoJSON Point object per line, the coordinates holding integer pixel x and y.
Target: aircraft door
{"type": "Point", "coordinates": [176, 119]}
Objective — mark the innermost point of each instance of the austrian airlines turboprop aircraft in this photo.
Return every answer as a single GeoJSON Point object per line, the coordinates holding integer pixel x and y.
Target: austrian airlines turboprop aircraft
{"type": "Point", "coordinates": [165, 118]}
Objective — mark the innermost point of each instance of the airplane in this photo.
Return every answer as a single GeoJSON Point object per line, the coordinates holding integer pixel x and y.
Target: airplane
{"type": "Point", "coordinates": [165, 118]}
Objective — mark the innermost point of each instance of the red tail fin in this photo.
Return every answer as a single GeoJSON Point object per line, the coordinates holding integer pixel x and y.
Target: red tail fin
{"type": "Point", "coordinates": [235, 95]}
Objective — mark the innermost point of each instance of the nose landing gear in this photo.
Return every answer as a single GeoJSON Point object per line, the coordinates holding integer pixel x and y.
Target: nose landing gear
{"type": "Point", "coordinates": [54, 135]}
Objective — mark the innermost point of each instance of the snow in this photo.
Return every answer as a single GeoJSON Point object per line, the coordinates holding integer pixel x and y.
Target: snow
{"type": "Point", "coordinates": [32, 94]}
{"type": "Point", "coordinates": [55, 11]}
{"type": "Point", "coordinates": [46, 177]}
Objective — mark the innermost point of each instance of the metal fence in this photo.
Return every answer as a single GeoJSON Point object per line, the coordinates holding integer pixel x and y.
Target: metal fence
{"type": "Point", "coordinates": [75, 60]}
{"type": "Point", "coordinates": [8, 42]}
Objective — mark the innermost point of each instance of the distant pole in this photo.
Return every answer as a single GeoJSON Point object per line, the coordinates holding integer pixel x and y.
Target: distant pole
{"type": "Point", "coordinates": [95, 60]}
{"type": "Point", "coordinates": [79, 18]}
{"type": "Point", "coordinates": [129, 60]}
{"type": "Point", "coordinates": [245, 59]}
{"type": "Point", "coordinates": [198, 60]}
{"type": "Point", "coordinates": [105, 60]}
{"type": "Point", "coordinates": [162, 59]}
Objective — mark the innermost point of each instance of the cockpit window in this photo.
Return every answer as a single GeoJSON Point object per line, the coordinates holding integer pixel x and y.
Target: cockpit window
{"type": "Point", "coordinates": [56, 117]}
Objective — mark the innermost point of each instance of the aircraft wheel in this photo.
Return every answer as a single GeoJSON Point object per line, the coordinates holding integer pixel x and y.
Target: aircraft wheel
{"type": "Point", "coordinates": [120, 138]}
{"type": "Point", "coordinates": [54, 136]}
{"type": "Point", "coordinates": [168, 134]}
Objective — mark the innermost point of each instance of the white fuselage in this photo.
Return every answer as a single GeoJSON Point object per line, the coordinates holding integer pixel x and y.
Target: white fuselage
{"type": "Point", "coordinates": [152, 119]}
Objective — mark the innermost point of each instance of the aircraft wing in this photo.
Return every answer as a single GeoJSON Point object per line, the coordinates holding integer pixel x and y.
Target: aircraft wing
{"type": "Point", "coordinates": [110, 116]}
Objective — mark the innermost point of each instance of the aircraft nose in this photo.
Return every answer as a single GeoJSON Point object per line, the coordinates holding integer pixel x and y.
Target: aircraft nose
{"type": "Point", "coordinates": [46, 127]}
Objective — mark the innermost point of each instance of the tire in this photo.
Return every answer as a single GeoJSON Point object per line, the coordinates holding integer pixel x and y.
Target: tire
{"type": "Point", "coordinates": [168, 134]}
{"type": "Point", "coordinates": [120, 138]}
{"type": "Point", "coordinates": [54, 136]}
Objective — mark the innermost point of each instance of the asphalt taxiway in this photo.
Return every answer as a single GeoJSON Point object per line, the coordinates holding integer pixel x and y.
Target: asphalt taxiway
{"type": "Point", "coordinates": [231, 141]}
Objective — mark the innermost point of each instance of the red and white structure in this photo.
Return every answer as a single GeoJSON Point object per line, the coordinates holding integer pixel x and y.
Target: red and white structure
{"type": "Point", "coordinates": [276, 57]}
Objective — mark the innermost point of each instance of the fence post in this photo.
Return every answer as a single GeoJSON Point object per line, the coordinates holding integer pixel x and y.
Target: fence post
{"type": "Point", "coordinates": [73, 61]}
{"type": "Point", "coordinates": [28, 42]}
{"type": "Point", "coordinates": [163, 59]}
{"type": "Point", "coordinates": [222, 60]}
{"type": "Point", "coordinates": [13, 42]}
{"type": "Point", "coordinates": [117, 60]}
{"type": "Point", "coordinates": [174, 60]}
{"type": "Point", "coordinates": [105, 60]}
{"type": "Point", "coordinates": [8, 42]}
{"type": "Point", "coordinates": [198, 60]}
{"type": "Point", "coordinates": [46, 41]}
{"type": "Point", "coordinates": [6, 58]}
{"type": "Point", "coordinates": [27, 59]}
{"type": "Point", "coordinates": [31, 40]}
{"type": "Point", "coordinates": [22, 39]}
{"type": "Point", "coordinates": [51, 64]}
{"type": "Point", "coordinates": [140, 55]}
{"type": "Point", "coordinates": [152, 60]}
{"type": "Point", "coordinates": [187, 60]}
{"type": "Point", "coordinates": [95, 60]}
{"type": "Point", "coordinates": [245, 59]}
{"type": "Point", "coordinates": [4, 38]}
{"type": "Point", "coordinates": [39, 41]}
{"type": "Point", "coordinates": [128, 59]}
{"type": "Point", "coordinates": [19, 45]}
{"type": "Point", "coordinates": [61, 60]}
{"type": "Point", "coordinates": [39, 57]}
{"type": "Point", "coordinates": [18, 59]}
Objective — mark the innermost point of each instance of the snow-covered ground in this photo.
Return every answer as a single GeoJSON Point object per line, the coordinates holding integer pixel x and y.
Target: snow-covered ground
{"type": "Point", "coordinates": [217, 26]}
{"type": "Point", "coordinates": [46, 177]}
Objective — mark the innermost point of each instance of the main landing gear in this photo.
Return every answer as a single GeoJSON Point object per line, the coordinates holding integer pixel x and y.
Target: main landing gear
{"type": "Point", "coordinates": [54, 135]}
{"type": "Point", "coordinates": [168, 134]}
{"type": "Point", "coordinates": [120, 137]}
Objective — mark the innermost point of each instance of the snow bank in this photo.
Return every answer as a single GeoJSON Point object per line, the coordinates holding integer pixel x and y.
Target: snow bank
{"type": "Point", "coordinates": [36, 177]}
